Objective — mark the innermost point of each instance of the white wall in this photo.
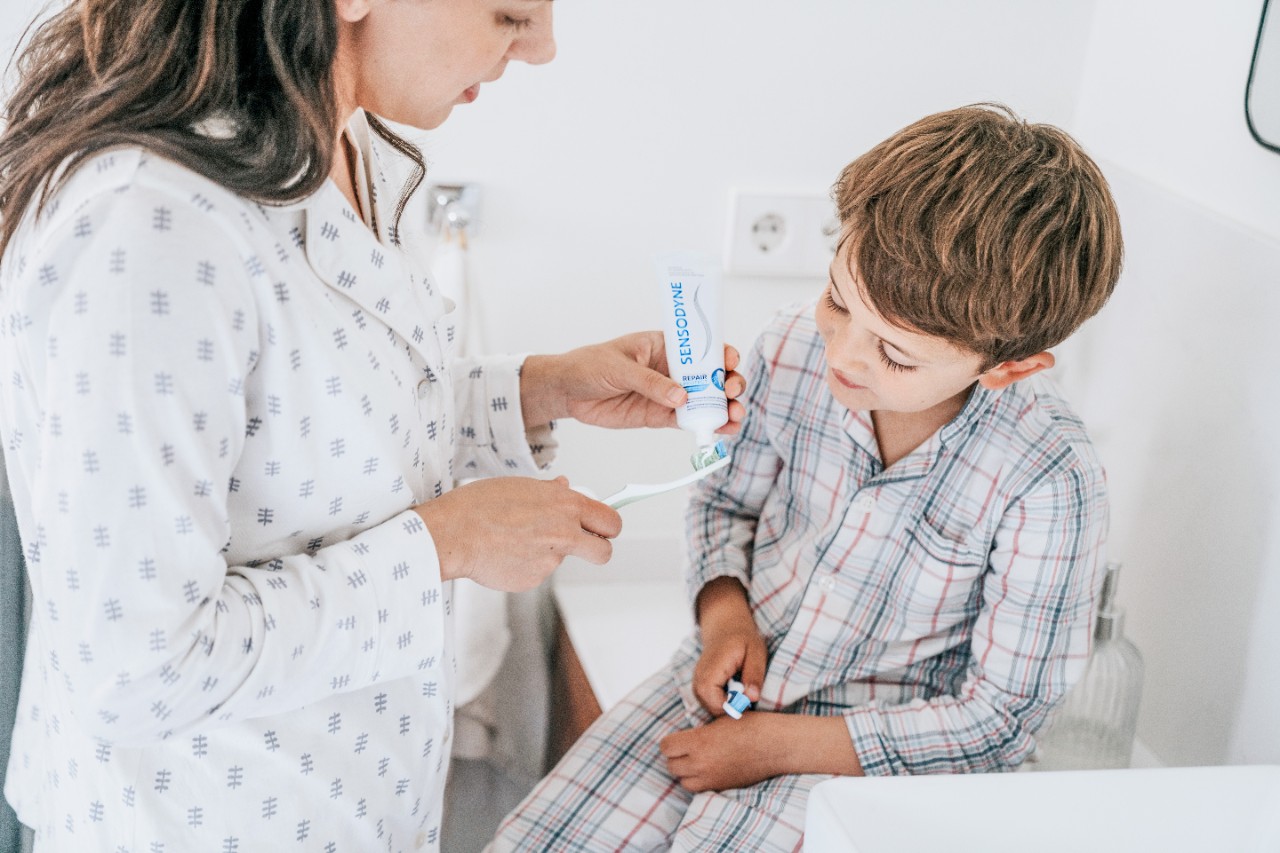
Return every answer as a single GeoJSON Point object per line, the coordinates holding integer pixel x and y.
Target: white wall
{"type": "Point", "coordinates": [1163, 95]}
{"type": "Point", "coordinates": [13, 25]}
{"type": "Point", "coordinates": [1178, 379]}
{"type": "Point", "coordinates": [1171, 380]}
{"type": "Point", "coordinates": [629, 142]}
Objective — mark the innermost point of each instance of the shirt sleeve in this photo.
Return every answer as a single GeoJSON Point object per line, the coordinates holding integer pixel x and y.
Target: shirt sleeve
{"type": "Point", "coordinates": [141, 331]}
{"type": "Point", "coordinates": [1031, 641]}
{"type": "Point", "coordinates": [492, 439]}
{"type": "Point", "coordinates": [726, 506]}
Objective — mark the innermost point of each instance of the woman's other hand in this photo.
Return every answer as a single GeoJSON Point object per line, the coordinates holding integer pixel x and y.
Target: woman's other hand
{"type": "Point", "coordinates": [618, 383]}
{"type": "Point", "coordinates": [731, 645]}
{"type": "Point", "coordinates": [511, 533]}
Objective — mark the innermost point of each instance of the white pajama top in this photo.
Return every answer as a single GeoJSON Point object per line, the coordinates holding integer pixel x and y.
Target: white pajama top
{"type": "Point", "coordinates": [216, 417]}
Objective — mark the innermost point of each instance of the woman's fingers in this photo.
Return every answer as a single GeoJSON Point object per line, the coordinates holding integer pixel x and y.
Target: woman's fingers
{"type": "Point", "coordinates": [648, 383]}
{"type": "Point", "coordinates": [731, 358]}
{"type": "Point", "coordinates": [511, 533]}
{"type": "Point", "coordinates": [599, 519]}
{"type": "Point", "coordinates": [594, 549]}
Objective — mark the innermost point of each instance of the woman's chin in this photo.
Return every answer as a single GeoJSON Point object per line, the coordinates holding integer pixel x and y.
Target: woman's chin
{"type": "Point", "coordinates": [419, 120]}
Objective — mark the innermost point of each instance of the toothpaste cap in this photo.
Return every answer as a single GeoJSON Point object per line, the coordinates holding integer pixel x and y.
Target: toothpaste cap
{"type": "Point", "coordinates": [737, 701]}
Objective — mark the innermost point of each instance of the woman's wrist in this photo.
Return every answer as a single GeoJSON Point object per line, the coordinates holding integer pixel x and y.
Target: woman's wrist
{"type": "Point", "coordinates": [450, 557]}
{"type": "Point", "coordinates": [541, 399]}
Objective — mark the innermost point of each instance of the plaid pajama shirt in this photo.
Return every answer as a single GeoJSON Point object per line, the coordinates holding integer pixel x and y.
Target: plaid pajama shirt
{"type": "Point", "coordinates": [942, 605]}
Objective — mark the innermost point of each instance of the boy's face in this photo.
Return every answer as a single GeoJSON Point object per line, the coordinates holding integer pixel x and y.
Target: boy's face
{"type": "Point", "coordinates": [873, 365]}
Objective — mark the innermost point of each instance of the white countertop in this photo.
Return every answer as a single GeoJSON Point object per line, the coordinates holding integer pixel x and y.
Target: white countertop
{"type": "Point", "coordinates": [1172, 809]}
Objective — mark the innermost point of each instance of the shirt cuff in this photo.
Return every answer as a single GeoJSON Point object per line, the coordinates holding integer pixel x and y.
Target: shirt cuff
{"type": "Point", "coordinates": [697, 579]}
{"type": "Point", "coordinates": [402, 567]}
{"type": "Point", "coordinates": [512, 450]}
{"type": "Point", "coordinates": [866, 729]}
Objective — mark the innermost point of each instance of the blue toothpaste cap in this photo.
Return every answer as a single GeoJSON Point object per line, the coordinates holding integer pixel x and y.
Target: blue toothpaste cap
{"type": "Point", "coordinates": [737, 701]}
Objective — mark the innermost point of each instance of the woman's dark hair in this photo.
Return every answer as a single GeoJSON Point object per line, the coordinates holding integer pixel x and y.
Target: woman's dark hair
{"type": "Point", "coordinates": [240, 91]}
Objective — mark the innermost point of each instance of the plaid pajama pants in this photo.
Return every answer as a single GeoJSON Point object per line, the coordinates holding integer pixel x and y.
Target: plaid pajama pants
{"type": "Point", "coordinates": [612, 792]}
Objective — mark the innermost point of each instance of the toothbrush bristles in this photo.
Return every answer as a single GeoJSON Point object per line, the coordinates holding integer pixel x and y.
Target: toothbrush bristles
{"type": "Point", "coordinates": [708, 455]}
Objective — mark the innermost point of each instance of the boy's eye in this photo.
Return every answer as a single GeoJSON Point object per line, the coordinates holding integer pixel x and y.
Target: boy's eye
{"type": "Point", "coordinates": [516, 24]}
{"type": "Point", "coordinates": [895, 366]}
{"type": "Point", "coordinates": [833, 305]}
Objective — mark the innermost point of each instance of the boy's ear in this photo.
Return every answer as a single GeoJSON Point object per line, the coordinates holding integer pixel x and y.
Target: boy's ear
{"type": "Point", "coordinates": [1006, 373]}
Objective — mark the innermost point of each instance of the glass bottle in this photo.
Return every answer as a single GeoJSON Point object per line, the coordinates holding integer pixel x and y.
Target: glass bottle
{"type": "Point", "coordinates": [1095, 725]}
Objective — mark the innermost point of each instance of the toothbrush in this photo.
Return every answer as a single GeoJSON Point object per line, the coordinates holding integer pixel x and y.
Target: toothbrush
{"type": "Point", "coordinates": [633, 492]}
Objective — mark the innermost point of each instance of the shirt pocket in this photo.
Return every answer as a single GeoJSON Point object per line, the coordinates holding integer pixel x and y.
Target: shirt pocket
{"type": "Point", "coordinates": [939, 583]}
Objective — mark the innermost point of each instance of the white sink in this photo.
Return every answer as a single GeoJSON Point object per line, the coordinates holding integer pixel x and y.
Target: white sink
{"type": "Point", "coordinates": [1168, 809]}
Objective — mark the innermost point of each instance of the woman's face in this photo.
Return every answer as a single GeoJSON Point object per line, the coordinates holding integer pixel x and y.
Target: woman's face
{"type": "Point", "coordinates": [412, 61]}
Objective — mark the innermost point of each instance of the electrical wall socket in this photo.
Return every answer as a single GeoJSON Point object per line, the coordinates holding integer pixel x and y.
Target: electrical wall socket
{"type": "Point", "coordinates": [780, 234]}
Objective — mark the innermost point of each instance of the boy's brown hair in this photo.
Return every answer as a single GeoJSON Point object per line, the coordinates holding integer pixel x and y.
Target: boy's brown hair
{"type": "Point", "coordinates": [974, 226]}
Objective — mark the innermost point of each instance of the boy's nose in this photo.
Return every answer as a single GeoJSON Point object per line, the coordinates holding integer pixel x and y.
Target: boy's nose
{"type": "Point", "coordinates": [850, 357]}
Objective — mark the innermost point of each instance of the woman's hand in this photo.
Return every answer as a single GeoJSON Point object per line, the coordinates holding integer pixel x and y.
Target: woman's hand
{"type": "Point", "coordinates": [619, 383]}
{"type": "Point", "coordinates": [511, 533]}
{"type": "Point", "coordinates": [731, 644]}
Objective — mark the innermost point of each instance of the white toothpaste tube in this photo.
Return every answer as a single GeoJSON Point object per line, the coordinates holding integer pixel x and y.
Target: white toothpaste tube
{"type": "Point", "coordinates": [690, 291]}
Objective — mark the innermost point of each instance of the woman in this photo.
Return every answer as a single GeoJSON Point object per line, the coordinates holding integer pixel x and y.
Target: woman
{"type": "Point", "coordinates": [232, 421]}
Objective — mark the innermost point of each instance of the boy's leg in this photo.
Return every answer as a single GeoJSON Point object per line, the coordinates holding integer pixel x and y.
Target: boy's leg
{"type": "Point", "coordinates": [767, 817]}
{"type": "Point", "coordinates": [611, 791]}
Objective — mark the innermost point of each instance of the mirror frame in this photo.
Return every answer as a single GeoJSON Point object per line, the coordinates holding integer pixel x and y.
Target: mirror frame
{"type": "Point", "coordinates": [1253, 68]}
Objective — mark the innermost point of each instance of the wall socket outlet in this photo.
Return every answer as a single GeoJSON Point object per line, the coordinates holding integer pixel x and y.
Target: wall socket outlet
{"type": "Point", "coordinates": [780, 234]}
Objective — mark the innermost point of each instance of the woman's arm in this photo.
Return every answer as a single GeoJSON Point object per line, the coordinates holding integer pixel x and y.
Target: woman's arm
{"type": "Point", "coordinates": [141, 337]}
{"type": "Point", "coordinates": [137, 356]}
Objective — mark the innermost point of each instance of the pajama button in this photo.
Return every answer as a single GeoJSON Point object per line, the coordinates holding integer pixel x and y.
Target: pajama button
{"type": "Point", "coordinates": [827, 583]}
{"type": "Point", "coordinates": [424, 388]}
{"type": "Point", "coordinates": [865, 503]}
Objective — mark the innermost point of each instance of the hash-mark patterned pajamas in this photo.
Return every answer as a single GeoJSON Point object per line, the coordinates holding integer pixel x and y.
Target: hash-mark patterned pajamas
{"type": "Point", "coordinates": [941, 606]}
{"type": "Point", "coordinates": [216, 417]}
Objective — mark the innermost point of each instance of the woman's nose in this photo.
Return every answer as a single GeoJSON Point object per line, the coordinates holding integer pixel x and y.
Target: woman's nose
{"type": "Point", "coordinates": [536, 48]}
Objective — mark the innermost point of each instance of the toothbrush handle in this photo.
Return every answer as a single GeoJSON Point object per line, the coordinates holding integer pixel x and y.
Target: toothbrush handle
{"type": "Point", "coordinates": [628, 495]}
{"type": "Point", "coordinates": [633, 492]}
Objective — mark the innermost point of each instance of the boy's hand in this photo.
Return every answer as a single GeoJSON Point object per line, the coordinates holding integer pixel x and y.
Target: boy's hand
{"type": "Point", "coordinates": [727, 753]}
{"type": "Point", "coordinates": [731, 644]}
{"type": "Point", "coordinates": [724, 753]}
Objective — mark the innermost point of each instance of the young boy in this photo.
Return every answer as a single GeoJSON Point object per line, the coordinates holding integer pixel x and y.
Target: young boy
{"type": "Point", "coordinates": [901, 560]}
